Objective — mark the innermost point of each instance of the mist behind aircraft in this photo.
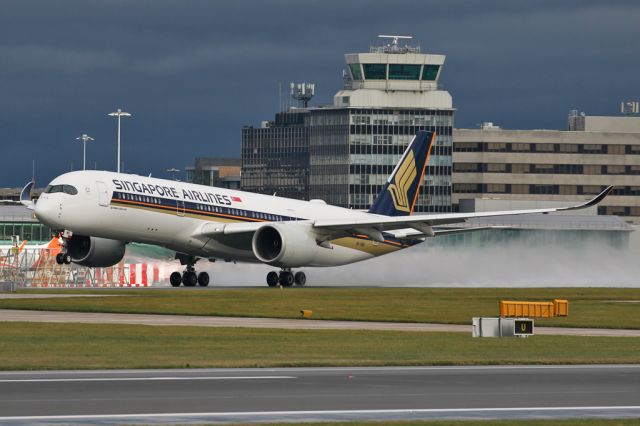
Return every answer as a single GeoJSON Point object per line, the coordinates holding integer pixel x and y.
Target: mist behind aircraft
{"type": "Point", "coordinates": [587, 262]}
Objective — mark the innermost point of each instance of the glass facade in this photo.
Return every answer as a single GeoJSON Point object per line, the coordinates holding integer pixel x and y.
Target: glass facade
{"type": "Point", "coordinates": [356, 74]}
{"type": "Point", "coordinates": [34, 232]}
{"type": "Point", "coordinates": [404, 72]}
{"type": "Point", "coordinates": [275, 157]}
{"type": "Point", "coordinates": [375, 71]}
{"type": "Point", "coordinates": [353, 152]}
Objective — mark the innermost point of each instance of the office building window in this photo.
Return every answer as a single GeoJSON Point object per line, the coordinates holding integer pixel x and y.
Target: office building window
{"type": "Point", "coordinates": [496, 167]}
{"type": "Point", "coordinates": [592, 169]}
{"type": "Point", "coordinates": [616, 149]}
{"type": "Point", "coordinates": [466, 167]}
{"type": "Point", "coordinates": [615, 170]}
{"type": "Point", "coordinates": [544, 147]}
{"type": "Point", "coordinates": [568, 147]}
{"type": "Point", "coordinates": [467, 147]}
{"type": "Point", "coordinates": [591, 189]}
{"type": "Point", "coordinates": [592, 148]}
{"type": "Point", "coordinates": [520, 168]}
{"type": "Point", "coordinates": [543, 168]}
{"type": "Point", "coordinates": [498, 188]}
{"type": "Point", "coordinates": [497, 147]}
{"type": "Point", "coordinates": [519, 189]}
{"type": "Point", "coordinates": [520, 147]}
{"type": "Point", "coordinates": [568, 190]}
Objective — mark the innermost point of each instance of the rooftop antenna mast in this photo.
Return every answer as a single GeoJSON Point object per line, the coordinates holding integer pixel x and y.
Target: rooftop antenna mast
{"type": "Point", "coordinates": [303, 92]}
{"type": "Point", "coordinates": [394, 47]}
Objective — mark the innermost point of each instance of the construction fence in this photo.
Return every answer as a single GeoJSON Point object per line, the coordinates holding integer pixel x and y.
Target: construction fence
{"type": "Point", "coordinates": [37, 268]}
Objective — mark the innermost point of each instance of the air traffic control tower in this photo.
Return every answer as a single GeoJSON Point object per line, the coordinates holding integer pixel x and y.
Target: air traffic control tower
{"type": "Point", "coordinates": [393, 76]}
{"type": "Point", "coordinates": [352, 146]}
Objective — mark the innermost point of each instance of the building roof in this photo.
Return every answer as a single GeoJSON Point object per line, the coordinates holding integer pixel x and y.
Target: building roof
{"type": "Point", "coordinates": [16, 213]}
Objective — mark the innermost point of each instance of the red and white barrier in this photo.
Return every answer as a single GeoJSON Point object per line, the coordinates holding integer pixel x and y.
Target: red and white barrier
{"type": "Point", "coordinates": [140, 275]}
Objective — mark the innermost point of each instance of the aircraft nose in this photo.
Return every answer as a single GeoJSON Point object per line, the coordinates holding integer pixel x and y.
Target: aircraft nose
{"type": "Point", "coordinates": [45, 212]}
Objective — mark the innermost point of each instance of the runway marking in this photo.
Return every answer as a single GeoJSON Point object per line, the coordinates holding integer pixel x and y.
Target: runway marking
{"type": "Point", "coordinates": [322, 412]}
{"type": "Point", "coordinates": [145, 379]}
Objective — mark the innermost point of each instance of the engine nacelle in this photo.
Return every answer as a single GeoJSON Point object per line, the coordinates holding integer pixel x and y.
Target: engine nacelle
{"type": "Point", "coordinates": [94, 251]}
{"type": "Point", "coordinates": [286, 246]}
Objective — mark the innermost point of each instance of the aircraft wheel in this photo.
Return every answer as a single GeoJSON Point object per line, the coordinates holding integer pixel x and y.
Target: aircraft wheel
{"type": "Point", "coordinates": [286, 279]}
{"type": "Point", "coordinates": [175, 279]}
{"type": "Point", "coordinates": [203, 279]}
{"type": "Point", "coordinates": [272, 279]}
{"type": "Point", "coordinates": [60, 258]}
{"type": "Point", "coordinates": [189, 279]}
{"type": "Point", "coordinates": [300, 278]}
{"type": "Point", "coordinates": [66, 258]}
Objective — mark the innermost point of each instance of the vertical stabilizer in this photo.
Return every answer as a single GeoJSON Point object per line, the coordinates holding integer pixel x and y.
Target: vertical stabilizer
{"type": "Point", "coordinates": [399, 195]}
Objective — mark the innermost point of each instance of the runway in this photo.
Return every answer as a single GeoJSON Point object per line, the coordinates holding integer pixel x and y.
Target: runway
{"type": "Point", "coordinates": [305, 394]}
{"type": "Point", "coordinates": [207, 321]}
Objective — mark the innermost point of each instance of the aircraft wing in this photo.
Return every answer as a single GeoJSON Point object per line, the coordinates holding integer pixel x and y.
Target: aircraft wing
{"type": "Point", "coordinates": [425, 221]}
{"type": "Point", "coordinates": [373, 225]}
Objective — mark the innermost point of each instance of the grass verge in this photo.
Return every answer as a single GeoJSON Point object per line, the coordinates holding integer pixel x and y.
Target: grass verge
{"type": "Point", "coordinates": [28, 346]}
{"type": "Point", "coordinates": [588, 307]}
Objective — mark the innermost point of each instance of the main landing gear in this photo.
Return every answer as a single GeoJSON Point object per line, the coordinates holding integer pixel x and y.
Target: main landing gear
{"type": "Point", "coordinates": [286, 278]}
{"type": "Point", "coordinates": [189, 277]}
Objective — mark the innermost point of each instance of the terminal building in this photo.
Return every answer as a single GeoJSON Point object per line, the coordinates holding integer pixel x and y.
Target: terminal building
{"type": "Point", "coordinates": [496, 169]}
{"type": "Point", "coordinates": [343, 153]}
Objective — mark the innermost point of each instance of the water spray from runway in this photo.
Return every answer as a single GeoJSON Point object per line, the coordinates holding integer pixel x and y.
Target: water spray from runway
{"type": "Point", "coordinates": [590, 262]}
{"type": "Point", "coordinates": [521, 262]}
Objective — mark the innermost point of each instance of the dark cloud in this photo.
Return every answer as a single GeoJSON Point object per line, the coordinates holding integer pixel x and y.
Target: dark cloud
{"type": "Point", "coordinates": [194, 72]}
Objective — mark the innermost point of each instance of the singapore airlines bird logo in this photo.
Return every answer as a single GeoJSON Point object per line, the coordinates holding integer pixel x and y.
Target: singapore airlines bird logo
{"type": "Point", "coordinates": [403, 179]}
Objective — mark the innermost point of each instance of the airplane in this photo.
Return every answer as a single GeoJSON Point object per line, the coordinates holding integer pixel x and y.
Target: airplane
{"type": "Point", "coordinates": [99, 212]}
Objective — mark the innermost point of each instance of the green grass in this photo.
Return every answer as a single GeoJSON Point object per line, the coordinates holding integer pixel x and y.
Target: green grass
{"type": "Point", "coordinates": [27, 346]}
{"type": "Point", "coordinates": [588, 307]}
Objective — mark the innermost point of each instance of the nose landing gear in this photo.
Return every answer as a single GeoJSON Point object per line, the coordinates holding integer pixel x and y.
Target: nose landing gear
{"type": "Point", "coordinates": [64, 257]}
{"type": "Point", "coordinates": [286, 278]}
{"type": "Point", "coordinates": [189, 277]}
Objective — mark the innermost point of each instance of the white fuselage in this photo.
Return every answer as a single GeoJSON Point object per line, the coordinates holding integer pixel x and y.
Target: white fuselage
{"type": "Point", "coordinates": [168, 213]}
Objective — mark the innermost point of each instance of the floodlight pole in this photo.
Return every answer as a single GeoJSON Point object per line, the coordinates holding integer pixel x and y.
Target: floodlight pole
{"type": "Point", "coordinates": [84, 138]}
{"type": "Point", "coordinates": [119, 113]}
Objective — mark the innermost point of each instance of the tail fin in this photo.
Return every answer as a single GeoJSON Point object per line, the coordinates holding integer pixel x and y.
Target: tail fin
{"type": "Point", "coordinates": [399, 195]}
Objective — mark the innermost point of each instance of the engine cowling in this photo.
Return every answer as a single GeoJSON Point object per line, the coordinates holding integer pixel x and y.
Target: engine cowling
{"type": "Point", "coordinates": [286, 246]}
{"type": "Point", "coordinates": [94, 251]}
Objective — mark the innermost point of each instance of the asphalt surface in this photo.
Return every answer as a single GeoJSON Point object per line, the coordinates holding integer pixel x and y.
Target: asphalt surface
{"type": "Point", "coordinates": [205, 321]}
{"type": "Point", "coordinates": [304, 394]}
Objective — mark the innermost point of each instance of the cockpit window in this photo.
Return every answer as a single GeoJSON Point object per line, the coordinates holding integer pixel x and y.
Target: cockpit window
{"type": "Point", "coordinates": [67, 189]}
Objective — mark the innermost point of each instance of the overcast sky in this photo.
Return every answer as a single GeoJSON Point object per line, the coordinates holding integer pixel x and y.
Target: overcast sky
{"type": "Point", "coordinates": [192, 73]}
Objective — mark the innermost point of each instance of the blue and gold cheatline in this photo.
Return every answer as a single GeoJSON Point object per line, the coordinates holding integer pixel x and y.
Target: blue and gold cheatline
{"type": "Point", "coordinates": [400, 193]}
{"type": "Point", "coordinates": [229, 214]}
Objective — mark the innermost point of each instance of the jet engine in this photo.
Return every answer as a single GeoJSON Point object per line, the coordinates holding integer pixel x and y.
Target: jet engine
{"type": "Point", "coordinates": [285, 245]}
{"type": "Point", "coordinates": [94, 251]}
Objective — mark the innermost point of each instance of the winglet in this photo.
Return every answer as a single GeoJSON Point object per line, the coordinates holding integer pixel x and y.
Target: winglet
{"type": "Point", "coordinates": [25, 196]}
{"type": "Point", "coordinates": [595, 200]}
{"type": "Point", "coordinates": [600, 196]}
